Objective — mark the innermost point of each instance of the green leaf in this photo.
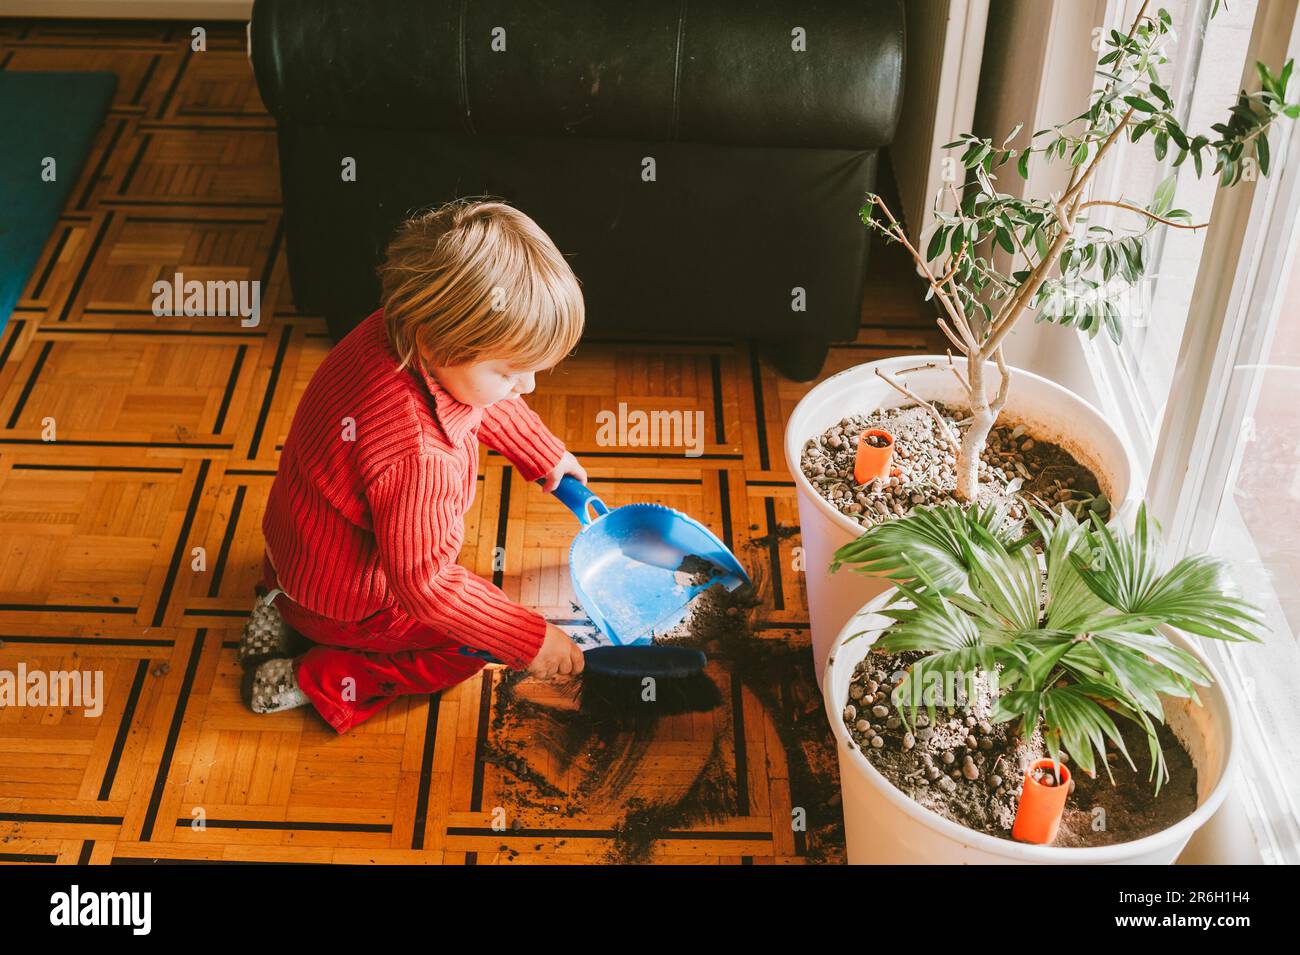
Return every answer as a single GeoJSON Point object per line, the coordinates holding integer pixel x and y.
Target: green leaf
{"type": "Point", "coordinates": [1164, 195]}
{"type": "Point", "coordinates": [1155, 646]}
{"type": "Point", "coordinates": [958, 234]}
{"type": "Point", "coordinates": [1139, 104]}
{"type": "Point", "coordinates": [1008, 583]}
{"type": "Point", "coordinates": [1017, 705]}
{"type": "Point", "coordinates": [969, 592]}
{"type": "Point", "coordinates": [1194, 595]}
{"type": "Point", "coordinates": [1266, 79]}
{"type": "Point", "coordinates": [1003, 237]}
{"type": "Point", "coordinates": [935, 248]}
{"type": "Point", "coordinates": [1176, 134]}
{"type": "Point", "coordinates": [935, 625]}
{"type": "Point", "coordinates": [1081, 726]}
{"type": "Point", "coordinates": [1113, 327]}
{"type": "Point", "coordinates": [1040, 242]}
{"type": "Point", "coordinates": [933, 541]}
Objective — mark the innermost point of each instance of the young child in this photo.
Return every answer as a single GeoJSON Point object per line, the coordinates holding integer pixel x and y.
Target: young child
{"type": "Point", "coordinates": [365, 518]}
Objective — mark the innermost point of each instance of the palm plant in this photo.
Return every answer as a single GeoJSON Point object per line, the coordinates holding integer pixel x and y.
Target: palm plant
{"type": "Point", "coordinates": [1061, 267]}
{"type": "Point", "coordinates": [1073, 634]}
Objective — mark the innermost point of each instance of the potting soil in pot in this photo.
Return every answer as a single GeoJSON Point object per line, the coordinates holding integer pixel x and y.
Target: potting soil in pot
{"type": "Point", "coordinates": [1013, 462]}
{"type": "Point", "coordinates": [970, 770]}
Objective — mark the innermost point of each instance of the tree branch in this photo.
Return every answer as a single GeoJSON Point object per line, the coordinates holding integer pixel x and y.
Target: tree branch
{"type": "Point", "coordinates": [952, 337]}
{"type": "Point", "coordinates": [1146, 212]}
{"type": "Point", "coordinates": [962, 381]}
{"type": "Point", "coordinates": [897, 231]}
{"type": "Point", "coordinates": [934, 412]}
{"type": "Point", "coordinates": [1004, 383]}
{"type": "Point", "coordinates": [1092, 165]}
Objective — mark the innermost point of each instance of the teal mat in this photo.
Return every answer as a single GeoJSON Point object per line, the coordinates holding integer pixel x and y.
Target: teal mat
{"type": "Point", "coordinates": [41, 114]}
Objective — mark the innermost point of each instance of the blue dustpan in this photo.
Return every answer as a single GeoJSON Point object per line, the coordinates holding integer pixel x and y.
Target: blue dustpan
{"type": "Point", "coordinates": [624, 561]}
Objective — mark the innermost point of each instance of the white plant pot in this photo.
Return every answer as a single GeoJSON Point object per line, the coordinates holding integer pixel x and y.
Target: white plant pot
{"type": "Point", "coordinates": [1047, 410]}
{"type": "Point", "coordinates": [882, 825]}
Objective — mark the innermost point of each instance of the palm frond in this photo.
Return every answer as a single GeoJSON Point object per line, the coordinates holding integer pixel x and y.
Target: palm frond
{"type": "Point", "coordinates": [1023, 705]}
{"type": "Point", "coordinates": [1072, 720]}
{"type": "Point", "coordinates": [932, 625]}
{"type": "Point", "coordinates": [1075, 640]}
{"type": "Point", "coordinates": [939, 671]}
{"type": "Point", "coordinates": [1119, 570]}
{"type": "Point", "coordinates": [932, 539]}
{"type": "Point", "coordinates": [1195, 595]}
{"type": "Point", "coordinates": [1155, 646]}
{"type": "Point", "coordinates": [1007, 582]}
{"type": "Point", "coordinates": [1069, 599]}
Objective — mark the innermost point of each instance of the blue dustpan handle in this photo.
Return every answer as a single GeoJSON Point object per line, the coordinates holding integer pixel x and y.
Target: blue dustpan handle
{"type": "Point", "coordinates": [576, 496]}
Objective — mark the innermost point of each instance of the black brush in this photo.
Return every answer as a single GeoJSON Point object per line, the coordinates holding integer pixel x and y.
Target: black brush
{"type": "Point", "coordinates": [645, 682]}
{"type": "Point", "coordinates": [631, 683]}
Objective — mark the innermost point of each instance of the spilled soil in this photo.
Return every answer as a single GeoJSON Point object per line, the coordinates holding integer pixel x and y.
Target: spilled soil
{"type": "Point", "coordinates": [555, 760]}
{"type": "Point", "coordinates": [971, 770]}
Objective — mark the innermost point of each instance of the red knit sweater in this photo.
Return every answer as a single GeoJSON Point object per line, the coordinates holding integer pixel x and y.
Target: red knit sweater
{"type": "Point", "coordinates": [368, 503]}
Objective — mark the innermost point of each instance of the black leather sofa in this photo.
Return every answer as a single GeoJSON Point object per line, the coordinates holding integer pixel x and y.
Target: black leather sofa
{"type": "Point", "coordinates": [761, 154]}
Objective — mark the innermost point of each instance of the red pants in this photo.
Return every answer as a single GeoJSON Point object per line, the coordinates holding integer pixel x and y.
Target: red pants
{"type": "Point", "coordinates": [361, 667]}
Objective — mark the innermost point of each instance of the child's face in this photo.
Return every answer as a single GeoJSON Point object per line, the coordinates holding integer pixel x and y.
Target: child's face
{"type": "Point", "coordinates": [482, 383]}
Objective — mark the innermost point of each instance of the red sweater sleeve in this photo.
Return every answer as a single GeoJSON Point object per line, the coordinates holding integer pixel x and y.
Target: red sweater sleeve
{"type": "Point", "coordinates": [515, 429]}
{"type": "Point", "coordinates": [418, 541]}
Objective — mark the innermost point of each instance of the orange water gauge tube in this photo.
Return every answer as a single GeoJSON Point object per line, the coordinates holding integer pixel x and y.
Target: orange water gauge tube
{"type": "Point", "coordinates": [1042, 802]}
{"type": "Point", "coordinates": [873, 459]}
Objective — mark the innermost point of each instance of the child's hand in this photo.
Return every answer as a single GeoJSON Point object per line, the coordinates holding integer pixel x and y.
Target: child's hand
{"type": "Point", "coordinates": [559, 655]}
{"type": "Point", "coordinates": [567, 465]}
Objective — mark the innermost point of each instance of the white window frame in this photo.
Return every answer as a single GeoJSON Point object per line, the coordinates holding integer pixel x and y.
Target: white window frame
{"type": "Point", "coordinates": [1216, 381]}
{"type": "Point", "coordinates": [1109, 365]}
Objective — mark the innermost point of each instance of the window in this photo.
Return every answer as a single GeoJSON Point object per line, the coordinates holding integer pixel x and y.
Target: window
{"type": "Point", "coordinates": [1253, 520]}
{"type": "Point", "coordinates": [1203, 75]}
{"type": "Point", "coordinates": [1222, 356]}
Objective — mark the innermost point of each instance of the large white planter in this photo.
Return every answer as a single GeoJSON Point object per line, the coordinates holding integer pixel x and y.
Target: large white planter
{"type": "Point", "coordinates": [884, 825]}
{"type": "Point", "coordinates": [1047, 411]}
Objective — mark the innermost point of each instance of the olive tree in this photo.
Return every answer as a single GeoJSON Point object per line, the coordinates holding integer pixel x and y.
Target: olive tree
{"type": "Point", "coordinates": [1063, 269]}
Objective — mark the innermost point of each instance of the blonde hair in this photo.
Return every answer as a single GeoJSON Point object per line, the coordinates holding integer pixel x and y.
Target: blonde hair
{"type": "Point", "coordinates": [475, 281]}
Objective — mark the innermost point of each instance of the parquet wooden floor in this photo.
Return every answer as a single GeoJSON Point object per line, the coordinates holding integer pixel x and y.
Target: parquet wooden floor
{"type": "Point", "coordinates": [166, 440]}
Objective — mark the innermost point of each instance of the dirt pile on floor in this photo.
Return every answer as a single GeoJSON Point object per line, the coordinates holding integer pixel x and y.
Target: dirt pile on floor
{"type": "Point", "coordinates": [599, 760]}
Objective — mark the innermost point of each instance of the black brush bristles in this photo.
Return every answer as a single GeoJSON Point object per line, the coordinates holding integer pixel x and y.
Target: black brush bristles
{"type": "Point", "coordinates": [645, 682]}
